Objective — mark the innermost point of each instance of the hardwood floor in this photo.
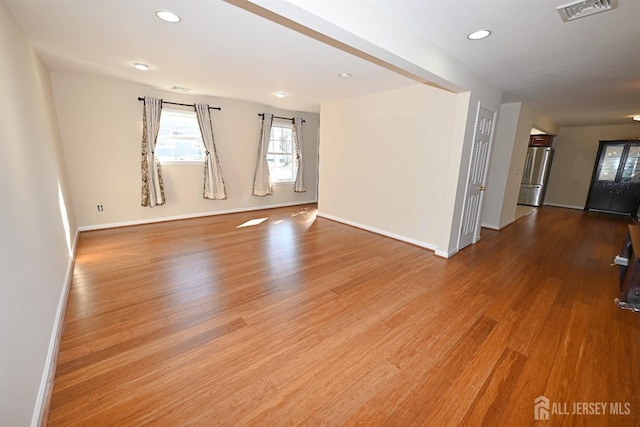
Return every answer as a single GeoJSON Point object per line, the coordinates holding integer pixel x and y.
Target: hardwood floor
{"type": "Point", "coordinates": [301, 320]}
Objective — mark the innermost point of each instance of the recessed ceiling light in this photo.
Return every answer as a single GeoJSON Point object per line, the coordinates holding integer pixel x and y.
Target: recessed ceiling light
{"type": "Point", "coordinates": [636, 117]}
{"type": "Point", "coordinates": [478, 35]}
{"type": "Point", "coordinates": [141, 66]}
{"type": "Point", "coordinates": [168, 16]}
{"type": "Point", "coordinates": [280, 94]}
{"type": "Point", "coordinates": [344, 75]}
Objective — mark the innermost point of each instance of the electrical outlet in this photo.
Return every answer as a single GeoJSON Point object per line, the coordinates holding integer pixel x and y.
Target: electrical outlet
{"type": "Point", "coordinates": [100, 208]}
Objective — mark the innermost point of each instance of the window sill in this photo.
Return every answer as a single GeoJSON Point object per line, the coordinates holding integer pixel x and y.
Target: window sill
{"type": "Point", "coordinates": [181, 163]}
{"type": "Point", "coordinates": [283, 183]}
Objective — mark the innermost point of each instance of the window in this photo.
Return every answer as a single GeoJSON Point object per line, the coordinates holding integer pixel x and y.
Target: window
{"type": "Point", "coordinates": [179, 138]}
{"type": "Point", "coordinates": [280, 154]}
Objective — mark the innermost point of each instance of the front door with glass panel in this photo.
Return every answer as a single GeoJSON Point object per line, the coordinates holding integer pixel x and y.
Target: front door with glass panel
{"type": "Point", "coordinates": [615, 184]}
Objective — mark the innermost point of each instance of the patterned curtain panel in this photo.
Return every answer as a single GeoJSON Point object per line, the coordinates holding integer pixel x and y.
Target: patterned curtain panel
{"type": "Point", "coordinates": [152, 189]}
{"type": "Point", "coordinates": [301, 185]}
{"type": "Point", "coordinates": [213, 183]}
{"type": "Point", "coordinates": [262, 180]}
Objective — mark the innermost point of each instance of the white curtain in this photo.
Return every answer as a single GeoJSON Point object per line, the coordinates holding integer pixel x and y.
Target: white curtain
{"type": "Point", "coordinates": [262, 180]}
{"type": "Point", "coordinates": [213, 183]}
{"type": "Point", "coordinates": [301, 185]}
{"type": "Point", "coordinates": [152, 188]}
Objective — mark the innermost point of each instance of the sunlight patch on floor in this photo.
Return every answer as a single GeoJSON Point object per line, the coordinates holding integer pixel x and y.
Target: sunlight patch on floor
{"type": "Point", "coordinates": [252, 222]}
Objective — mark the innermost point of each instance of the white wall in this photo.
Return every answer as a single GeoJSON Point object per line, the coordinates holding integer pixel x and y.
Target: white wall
{"type": "Point", "coordinates": [500, 167]}
{"type": "Point", "coordinates": [384, 159]}
{"type": "Point", "coordinates": [510, 152]}
{"type": "Point", "coordinates": [527, 119]}
{"type": "Point", "coordinates": [358, 24]}
{"type": "Point", "coordinates": [575, 155]}
{"type": "Point", "coordinates": [101, 127]}
{"type": "Point", "coordinates": [35, 243]}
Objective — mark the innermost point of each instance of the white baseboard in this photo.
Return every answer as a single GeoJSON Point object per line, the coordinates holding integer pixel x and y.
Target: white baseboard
{"type": "Point", "coordinates": [558, 205]}
{"type": "Point", "coordinates": [48, 373]}
{"type": "Point", "coordinates": [490, 226]}
{"type": "Point", "coordinates": [189, 216]}
{"type": "Point", "coordinates": [445, 254]}
{"type": "Point", "coordinates": [499, 227]}
{"type": "Point", "coordinates": [381, 232]}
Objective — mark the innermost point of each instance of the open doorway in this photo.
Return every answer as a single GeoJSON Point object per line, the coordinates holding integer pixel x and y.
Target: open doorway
{"type": "Point", "coordinates": [535, 172]}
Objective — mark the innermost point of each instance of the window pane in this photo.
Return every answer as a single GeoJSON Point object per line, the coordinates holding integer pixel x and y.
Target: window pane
{"type": "Point", "coordinates": [281, 140]}
{"type": "Point", "coordinates": [631, 172]}
{"type": "Point", "coordinates": [280, 156]}
{"type": "Point", "coordinates": [610, 163]}
{"type": "Point", "coordinates": [179, 137]}
{"type": "Point", "coordinates": [280, 167]}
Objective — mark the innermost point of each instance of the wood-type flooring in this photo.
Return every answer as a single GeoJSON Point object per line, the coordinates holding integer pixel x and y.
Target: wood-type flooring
{"type": "Point", "coordinates": [300, 320]}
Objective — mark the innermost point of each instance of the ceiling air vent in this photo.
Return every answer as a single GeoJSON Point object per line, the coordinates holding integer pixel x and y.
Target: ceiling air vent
{"type": "Point", "coordinates": [582, 8]}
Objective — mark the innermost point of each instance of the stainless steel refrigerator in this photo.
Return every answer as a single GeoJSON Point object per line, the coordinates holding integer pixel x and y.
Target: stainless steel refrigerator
{"type": "Point", "coordinates": [535, 176]}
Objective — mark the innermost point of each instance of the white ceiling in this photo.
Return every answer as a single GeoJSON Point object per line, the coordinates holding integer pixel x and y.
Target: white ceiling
{"type": "Point", "coordinates": [584, 72]}
{"type": "Point", "coordinates": [581, 72]}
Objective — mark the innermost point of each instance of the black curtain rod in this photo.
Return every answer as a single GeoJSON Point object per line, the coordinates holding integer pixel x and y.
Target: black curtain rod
{"type": "Point", "coordinates": [278, 117]}
{"type": "Point", "coordinates": [177, 103]}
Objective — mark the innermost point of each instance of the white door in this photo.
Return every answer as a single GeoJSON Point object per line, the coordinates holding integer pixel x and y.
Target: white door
{"type": "Point", "coordinates": [477, 179]}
